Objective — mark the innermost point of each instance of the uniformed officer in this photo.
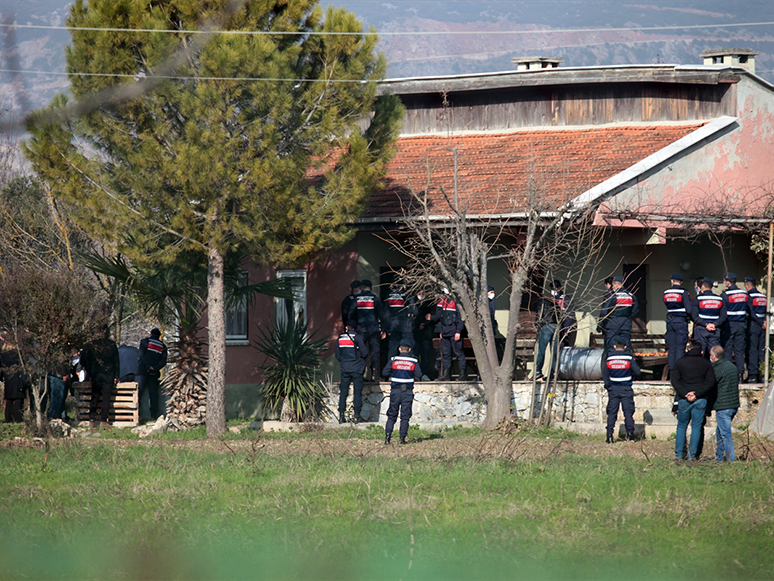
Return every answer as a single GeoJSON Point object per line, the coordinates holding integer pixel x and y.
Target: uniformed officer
{"type": "Point", "coordinates": [708, 313]}
{"type": "Point", "coordinates": [449, 326]}
{"type": "Point", "coordinates": [351, 353]}
{"type": "Point", "coordinates": [346, 304]}
{"type": "Point", "coordinates": [735, 327]}
{"type": "Point", "coordinates": [402, 310]}
{"type": "Point", "coordinates": [402, 370]}
{"type": "Point", "coordinates": [423, 334]}
{"type": "Point", "coordinates": [617, 314]}
{"type": "Point", "coordinates": [617, 375]}
{"type": "Point", "coordinates": [566, 311]}
{"type": "Point", "coordinates": [756, 343]}
{"type": "Point", "coordinates": [153, 357]}
{"type": "Point", "coordinates": [548, 317]}
{"type": "Point", "coordinates": [368, 312]}
{"type": "Point", "coordinates": [678, 305]}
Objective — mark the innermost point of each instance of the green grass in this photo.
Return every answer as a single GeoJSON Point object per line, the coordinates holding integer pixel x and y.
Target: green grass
{"type": "Point", "coordinates": [160, 512]}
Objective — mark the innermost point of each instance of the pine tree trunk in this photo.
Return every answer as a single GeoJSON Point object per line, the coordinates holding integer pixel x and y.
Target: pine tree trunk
{"type": "Point", "coordinates": [216, 316]}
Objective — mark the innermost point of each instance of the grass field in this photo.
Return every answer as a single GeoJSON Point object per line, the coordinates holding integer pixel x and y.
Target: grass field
{"type": "Point", "coordinates": [339, 505]}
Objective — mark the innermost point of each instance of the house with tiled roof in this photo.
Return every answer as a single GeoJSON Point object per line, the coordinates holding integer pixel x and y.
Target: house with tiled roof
{"type": "Point", "coordinates": [653, 148]}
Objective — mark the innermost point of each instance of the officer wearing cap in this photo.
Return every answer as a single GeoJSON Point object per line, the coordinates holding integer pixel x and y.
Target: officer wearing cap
{"type": "Point", "coordinates": [449, 325]}
{"type": "Point", "coordinates": [734, 329]}
{"type": "Point", "coordinates": [153, 357]}
{"type": "Point", "coordinates": [401, 310]}
{"type": "Point", "coordinates": [346, 304]}
{"type": "Point", "coordinates": [617, 313]}
{"type": "Point", "coordinates": [756, 330]}
{"type": "Point", "coordinates": [708, 313]}
{"type": "Point", "coordinates": [351, 353]}
{"type": "Point", "coordinates": [617, 377]}
{"type": "Point", "coordinates": [678, 305]}
{"type": "Point", "coordinates": [402, 370]}
{"type": "Point", "coordinates": [368, 312]}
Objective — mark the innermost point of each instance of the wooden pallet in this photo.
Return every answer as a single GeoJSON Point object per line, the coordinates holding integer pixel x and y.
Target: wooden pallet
{"type": "Point", "coordinates": [124, 404]}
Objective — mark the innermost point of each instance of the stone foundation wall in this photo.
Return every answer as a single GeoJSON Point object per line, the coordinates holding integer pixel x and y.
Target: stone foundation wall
{"type": "Point", "coordinates": [448, 404]}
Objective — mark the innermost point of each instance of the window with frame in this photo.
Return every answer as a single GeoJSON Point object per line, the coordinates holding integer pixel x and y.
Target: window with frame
{"type": "Point", "coordinates": [236, 319]}
{"type": "Point", "coordinates": [292, 309]}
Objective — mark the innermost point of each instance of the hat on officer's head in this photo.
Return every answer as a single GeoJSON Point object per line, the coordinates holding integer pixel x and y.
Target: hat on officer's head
{"type": "Point", "coordinates": [489, 288]}
{"type": "Point", "coordinates": [365, 283]}
{"type": "Point", "coordinates": [707, 280]}
{"type": "Point", "coordinates": [556, 284]}
{"type": "Point", "coordinates": [354, 284]}
{"type": "Point", "coordinates": [351, 323]}
{"type": "Point", "coordinates": [155, 332]}
{"type": "Point", "coordinates": [618, 279]}
{"type": "Point", "coordinates": [730, 276]}
{"type": "Point", "coordinates": [677, 276]}
{"type": "Point", "coordinates": [750, 279]}
{"type": "Point", "coordinates": [406, 343]}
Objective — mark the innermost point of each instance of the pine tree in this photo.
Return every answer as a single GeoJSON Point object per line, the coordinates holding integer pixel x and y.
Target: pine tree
{"type": "Point", "coordinates": [256, 143]}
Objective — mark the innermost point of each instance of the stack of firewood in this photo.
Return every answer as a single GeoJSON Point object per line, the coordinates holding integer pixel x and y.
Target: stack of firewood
{"type": "Point", "coordinates": [186, 384]}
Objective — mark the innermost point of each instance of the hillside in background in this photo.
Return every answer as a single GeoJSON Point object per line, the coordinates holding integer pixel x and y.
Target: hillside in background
{"type": "Point", "coordinates": [503, 29]}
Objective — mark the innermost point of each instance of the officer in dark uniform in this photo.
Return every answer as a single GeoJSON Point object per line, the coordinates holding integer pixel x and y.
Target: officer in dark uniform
{"type": "Point", "coordinates": [402, 310]}
{"type": "Point", "coordinates": [153, 357]}
{"type": "Point", "coordinates": [735, 328]}
{"type": "Point", "coordinates": [617, 375]}
{"type": "Point", "coordinates": [449, 326]}
{"type": "Point", "coordinates": [678, 305]}
{"type": "Point", "coordinates": [423, 334]}
{"type": "Point", "coordinates": [756, 342]}
{"type": "Point", "coordinates": [100, 358]}
{"type": "Point", "coordinates": [402, 370]}
{"type": "Point", "coordinates": [617, 314]}
{"type": "Point", "coordinates": [346, 304]}
{"type": "Point", "coordinates": [708, 313]}
{"type": "Point", "coordinates": [369, 312]}
{"type": "Point", "coordinates": [351, 353]}
{"type": "Point", "coordinates": [548, 317]}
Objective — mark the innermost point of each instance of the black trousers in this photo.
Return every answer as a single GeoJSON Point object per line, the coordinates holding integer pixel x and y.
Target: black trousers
{"type": "Point", "coordinates": [14, 411]}
{"type": "Point", "coordinates": [756, 346]}
{"type": "Point", "coordinates": [734, 334]}
{"type": "Point", "coordinates": [100, 385]}
{"type": "Point", "coordinates": [356, 379]}
{"type": "Point", "coordinates": [623, 398]}
{"type": "Point", "coordinates": [707, 339]}
{"type": "Point", "coordinates": [150, 382]}
{"type": "Point", "coordinates": [372, 338]}
{"type": "Point", "coordinates": [448, 344]}
{"type": "Point", "coordinates": [400, 401]}
{"type": "Point", "coordinates": [676, 338]}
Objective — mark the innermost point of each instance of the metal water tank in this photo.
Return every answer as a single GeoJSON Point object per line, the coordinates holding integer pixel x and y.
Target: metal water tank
{"type": "Point", "coordinates": [581, 363]}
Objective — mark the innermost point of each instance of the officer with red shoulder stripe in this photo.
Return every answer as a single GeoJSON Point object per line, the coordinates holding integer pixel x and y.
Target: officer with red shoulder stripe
{"type": "Point", "coordinates": [450, 326]}
{"type": "Point", "coordinates": [351, 352]}
{"type": "Point", "coordinates": [678, 305]}
{"type": "Point", "coordinates": [756, 335]}
{"type": "Point", "coordinates": [708, 313]}
{"type": "Point", "coordinates": [402, 369]}
{"type": "Point", "coordinates": [617, 313]}
{"type": "Point", "coordinates": [153, 357]}
{"type": "Point", "coordinates": [735, 327]}
{"type": "Point", "coordinates": [368, 311]}
{"type": "Point", "coordinates": [617, 374]}
{"type": "Point", "coordinates": [402, 310]}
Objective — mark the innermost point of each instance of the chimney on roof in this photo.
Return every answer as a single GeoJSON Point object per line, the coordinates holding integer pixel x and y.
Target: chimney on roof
{"type": "Point", "coordinates": [741, 57]}
{"type": "Point", "coordinates": [528, 63]}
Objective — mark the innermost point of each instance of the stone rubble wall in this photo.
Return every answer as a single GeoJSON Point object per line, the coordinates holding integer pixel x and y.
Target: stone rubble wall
{"type": "Point", "coordinates": [455, 403]}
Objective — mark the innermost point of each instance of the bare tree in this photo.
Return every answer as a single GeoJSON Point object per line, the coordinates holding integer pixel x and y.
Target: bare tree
{"type": "Point", "coordinates": [544, 231]}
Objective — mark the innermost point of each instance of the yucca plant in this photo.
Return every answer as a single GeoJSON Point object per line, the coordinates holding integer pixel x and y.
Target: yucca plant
{"type": "Point", "coordinates": [289, 371]}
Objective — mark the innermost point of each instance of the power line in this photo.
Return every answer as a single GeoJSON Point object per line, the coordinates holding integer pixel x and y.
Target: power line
{"type": "Point", "coordinates": [389, 33]}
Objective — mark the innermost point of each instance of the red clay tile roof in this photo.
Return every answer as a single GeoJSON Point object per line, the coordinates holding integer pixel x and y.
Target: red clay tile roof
{"type": "Point", "coordinates": [497, 171]}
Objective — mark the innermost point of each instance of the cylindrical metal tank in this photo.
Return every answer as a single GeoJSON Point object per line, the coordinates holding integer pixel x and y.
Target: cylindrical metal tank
{"type": "Point", "coordinates": [581, 363]}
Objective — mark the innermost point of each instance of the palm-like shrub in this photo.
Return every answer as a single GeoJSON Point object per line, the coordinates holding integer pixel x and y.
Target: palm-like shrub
{"type": "Point", "coordinates": [289, 384]}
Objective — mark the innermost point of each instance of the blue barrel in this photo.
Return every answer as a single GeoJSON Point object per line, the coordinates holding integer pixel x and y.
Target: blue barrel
{"type": "Point", "coordinates": [581, 363]}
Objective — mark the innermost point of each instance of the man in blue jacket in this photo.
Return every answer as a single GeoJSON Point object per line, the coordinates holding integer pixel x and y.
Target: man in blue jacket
{"type": "Point", "coordinates": [153, 357]}
{"type": "Point", "coordinates": [449, 326]}
{"type": "Point", "coordinates": [617, 375]}
{"type": "Point", "coordinates": [351, 353]}
{"type": "Point", "coordinates": [678, 305]}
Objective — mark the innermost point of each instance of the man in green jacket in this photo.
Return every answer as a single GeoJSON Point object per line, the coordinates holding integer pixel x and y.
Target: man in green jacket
{"type": "Point", "coordinates": [727, 403]}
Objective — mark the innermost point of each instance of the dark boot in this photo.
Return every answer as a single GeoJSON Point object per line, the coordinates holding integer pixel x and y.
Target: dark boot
{"type": "Point", "coordinates": [402, 440]}
{"type": "Point", "coordinates": [630, 436]}
{"type": "Point", "coordinates": [445, 376]}
{"type": "Point", "coordinates": [463, 375]}
{"type": "Point", "coordinates": [387, 439]}
{"type": "Point", "coordinates": [609, 439]}
{"type": "Point", "coordinates": [342, 419]}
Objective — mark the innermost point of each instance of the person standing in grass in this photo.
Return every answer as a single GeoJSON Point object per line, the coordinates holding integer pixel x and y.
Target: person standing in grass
{"type": "Point", "coordinates": [693, 379]}
{"type": "Point", "coordinates": [726, 404]}
{"type": "Point", "coordinates": [351, 352]}
{"type": "Point", "coordinates": [402, 370]}
{"type": "Point", "coordinates": [617, 374]}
